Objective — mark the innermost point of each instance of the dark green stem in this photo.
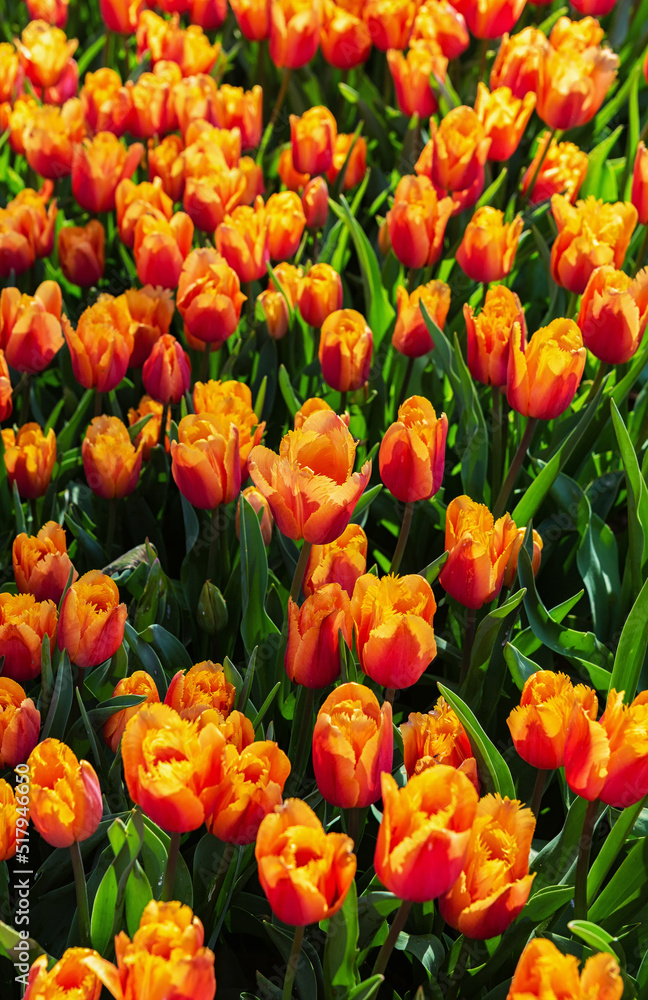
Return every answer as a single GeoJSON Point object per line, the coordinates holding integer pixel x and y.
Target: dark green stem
{"type": "Point", "coordinates": [204, 367]}
{"type": "Point", "coordinates": [300, 569]}
{"type": "Point", "coordinates": [641, 256]}
{"type": "Point", "coordinates": [390, 694]}
{"type": "Point", "coordinates": [582, 864]}
{"type": "Point", "coordinates": [343, 402]}
{"type": "Point", "coordinates": [83, 912]}
{"type": "Point", "coordinates": [213, 545]}
{"type": "Point", "coordinates": [498, 451]}
{"type": "Point", "coordinates": [596, 384]}
{"type": "Point", "coordinates": [293, 962]}
{"type": "Point", "coordinates": [406, 381]}
{"type": "Point", "coordinates": [112, 524]}
{"type": "Point", "coordinates": [171, 865]}
{"type": "Point", "coordinates": [402, 537]}
{"type": "Point", "coordinates": [98, 403]}
{"type": "Point", "coordinates": [165, 417]}
{"type": "Point", "coordinates": [516, 465]}
{"type": "Point", "coordinates": [469, 638]}
{"type": "Point", "coordinates": [25, 383]}
{"type": "Point", "coordinates": [459, 970]}
{"type": "Point", "coordinates": [483, 55]}
{"type": "Point", "coordinates": [303, 740]}
{"type": "Point", "coordinates": [538, 789]}
{"type": "Point", "coordinates": [285, 80]}
{"type": "Point", "coordinates": [353, 822]}
{"type": "Point", "coordinates": [571, 304]}
{"type": "Point", "coordinates": [399, 922]}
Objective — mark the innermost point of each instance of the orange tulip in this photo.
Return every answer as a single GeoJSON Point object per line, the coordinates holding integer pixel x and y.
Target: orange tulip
{"type": "Point", "coordinates": [137, 683]}
{"type": "Point", "coordinates": [166, 41]}
{"type": "Point", "coordinates": [590, 233]}
{"type": "Point", "coordinates": [639, 196]}
{"type": "Point", "coordinates": [542, 970]}
{"type": "Point", "coordinates": [172, 768]}
{"type": "Point", "coordinates": [352, 150]}
{"type": "Point", "coordinates": [519, 60]}
{"type": "Point", "coordinates": [243, 240]}
{"type": "Point", "coordinates": [29, 459]}
{"type": "Point", "coordinates": [26, 230]}
{"type": "Point", "coordinates": [275, 303]}
{"type": "Point", "coordinates": [50, 137]}
{"type": "Point", "coordinates": [563, 170]}
{"type": "Point", "coordinates": [305, 872]}
{"type": "Point", "coordinates": [149, 435]}
{"type": "Point", "coordinates": [102, 343]}
{"type": "Point", "coordinates": [209, 197]}
{"type": "Point", "coordinates": [345, 349]}
{"type": "Point", "coordinates": [64, 794]}
{"type": "Point", "coordinates": [205, 460]}
{"type": "Point", "coordinates": [165, 162]}
{"type": "Point", "coordinates": [489, 334]}
{"type": "Point", "coordinates": [352, 746]}
{"type": "Point", "coordinates": [313, 650]}
{"type": "Point", "coordinates": [151, 108]}
{"type": "Point", "coordinates": [487, 250]}
{"type": "Point", "coordinates": [613, 313]}
{"type": "Point", "coordinates": [203, 686]}
{"type": "Point", "coordinates": [573, 84]}
{"type": "Point", "coordinates": [260, 505]}
{"type": "Point", "coordinates": [294, 32]}
{"type": "Point", "coordinates": [320, 294]}
{"type": "Point", "coordinates": [412, 74]}
{"type": "Point", "coordinates": [479, 549]}
{"type": "Point", "coordinates": [461, 147]}
{"type": "Point", "coordinates": [286, 222]}
{"type": "Point", "coordinates": [310, 485]}
{"type": "Point", "coordinates": [390, 22]}
{"type": "Point", "coordinates": [209, 296]}
{"type": "Point", "coordinates": [314, 405]}
{"type": "Point", "coordinates": [596, 8]}
{"type": "Point", "coordinates": [151, 311]}
{"type": "Point", "coordinates": [24, 622]}
{"type": "Point", "coordinates": [512, 564]}
{"type": "Point", "coordinates": [417, 222]}
{"type": "Point", "coordinates": [10, 72]}
{"type": "Point", "coordinates": [242, 109]}
{"type": "Point", "coordinates": [166, 373]}
{"type": "Point", "coordinates": [194, 99]}
{"type": "Point", "coordinates": [19, 723]}
{"type": "Point", "coordinates": [105, 101]}
{"type": "Point", "coordinates": [121, 15]}
{"type": "Point", "coordinates": [81, 253]}
{"type": "Point", "coordinates": [97, 168]}
{"type": "Point", "coordinates": [411, 336]}
{"type": "Point", "coordinates": [539, 725]}
{"type": "Point", "coordinates": [412, 451]}
{"type": "Point", "coordinates": [424, 834]}
{"type": "Point", "coordinates": [6, 404]}
{"type": "Point", "coordinates": [344, 37]}
{"type": "Point", "coordinates": [91, 623]}
{"type": "Point", "coordinates": [253, 18]}
{"type": "Point", "coordinates": [41, 563]}
{"type": "Point", "coordinates": [8, 817]}
{"type": "Point", "coordinates": [44, 52]}
{"type": "Point", "coordinates": [67, 976]}
{"type": "Point", "coordinates": [315, 203]}
{"type": "Point", "coordinates": [608, 760]}
{"type": "Point", "coordinates": [231, 400]}
{"type": "Point", "coordinates": [494, 884]}
{"type": "Point", "coordinates": [252, 786]}
{"type": "Point", "coordinates": [165, 957]}
{"type": "Point", "coordinates": [341, 561]}
{"type": "Point", "coordinates": [504, 118]}
{"type": "Point", "coordinates": [30, 326]}
{"type": "Point", "coordinates": [438, 21]}
{"type": "Point", "coordinates": [290, 177]}
{"type": "Point", "coordinates": [161, 248]}
{"type": "Point", "coordinates": [111, 462]}
{"type": "Point", "coordinates": [313, 140]}
{"type": "Point", "coordinates": [490, 20]}
{"type": "Point", "coordinates": [542, 378]}
{"type": "Point", "coordinates": [437, 738]}
{"type": "Point", "coordinates": [134, 200]}
{"type": "Point", "coordinates": [393, 618]}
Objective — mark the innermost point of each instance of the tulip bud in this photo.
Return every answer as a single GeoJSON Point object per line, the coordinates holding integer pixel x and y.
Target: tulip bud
{"type": "Point", "coordinates": [294, 32]}
{"type": "Point", "coordinates": [151, 605]}
{"type": "Point", "coordinates": [412, 451]}
{"type": "Point", "coordinates": [29, 458]}
{"type": "Point", "coordinates": [166, 373]}
{"type": "Point", "coordinates": [345, 349]}
{"type": "Point", "coordinates": [81, 253]}
{"type": "Point", "coordinates": [257, 500]}
{"type": "Point", "coordinates": [315, 203]}
{"type": "Point", "coordinates": [479, 549]}
{"type": "Point", "coordinates": [313, 650]}
{"type": "Point", "coordinates": [320, 294]}
{"type": "Point", "coordinates": [313, 140]}
{"type": "Point", "coordinates": [212, 610]}
{"type": "Point", "coordinates": [487, 250]}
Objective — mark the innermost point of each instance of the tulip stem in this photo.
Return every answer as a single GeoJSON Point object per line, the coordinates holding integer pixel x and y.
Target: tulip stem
{"type": "Point", "coordinates": [293, 962]}
{"type": "Point", "coordinates": [538, 789]}
{"type": "Point", "coordinates": [300, 569]}
{"type": "Point", "coordinates": [112, 523]}
{"type": "Point", "coordinates": [596, 384]}
{"type": "Point", "coordinates": [469, 639]}
{"type": "Point", "coordinates": [25, 391]}
{"type": "Point", "coordinates": [402, 537]}
{"type": "Point", "coordinates": [171, 865]}
{"type": "Point", "coordinates": [497, 440]}
{"type": "Point", "coordinates": [305, 734]}
{"type": "Point", "coordinates": [571, 304]}
{"type": "Point", "coordinates": [483, 56]}
{"type": "Point", "coordinates": [343, 402]}
{"type": "Point", "coordinates": [98, 403]}
{"type": "Point", "coordinates": [353, 824]}
{"type": "Point", "coordinates": [406, 381]}
{"type": "Point", "coordinates": [516, 465]}
{"type": "Point", "coordinates": [459, 970]}
{"type": "Point", "coordinates": [204, 367]}
{"type": "Point", "coordinates": [83, 912]}
{"type": "Point", "coordinates": [582, 864]}
{"type": "Point", "coordinates": [213, 545]}
{"type": "Point", "coordinates": [285, 80]}
{"type": "Point", "coordinates": [529, 191]}
{"type": "Point", "coordinates": [165, 417]}
{"type": "Point", "coordinates": [399, 922]}
{"type": "Point", "coordinates": [390, 694]}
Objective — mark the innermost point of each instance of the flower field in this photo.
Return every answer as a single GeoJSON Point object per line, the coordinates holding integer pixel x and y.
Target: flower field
{"type": "Point", "coordinates": [323, 500]}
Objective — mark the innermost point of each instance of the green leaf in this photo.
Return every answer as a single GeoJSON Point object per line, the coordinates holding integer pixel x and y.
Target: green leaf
{"type": "Point", "coordinates": [597, 559]}
{"type": "Point", "coordinates": [490, 632]}
{"type": "Point", "coordinates": [631, 651]}
{"type": "Point", "coordinates": [493, 769]}
{"type": "Point", "coordinates": [547, 901]}
{"type": "Point", "coordinates": [365, 502]}
{"type": "Point", "coordinates": [287, 391]}
{"type": "Point", "coordinates": [137, 896]}
{"type": "Point", "coordinates": [366, 990]}
{"type": "Point", "coordinates": [68, 435]}
{"type": "Point", "coordinates": [432, 570]}
{"type": "Point", "coordinates": [340, 950]}
{"type": "Point", "coordinates": [558, 857]}
{"type": "Point", "coordinates": [305, 980]}
{"type": "Point", "coordinates": [627, 885]}
{"type": "Point", "coordinates": [520, 666]}
{"type": "Point", "coordinates": [89, 54]}
{"type": "Point", "coordinates": [146, 657]}
{"type": "Point", "coordinates": [596, 161]}
{"type": "Point", "coordinates": [172, 653]}
{"type": "Point", "coordinates": [256, 625]}
{"type": "Point", "coordinates": [594, 936]}
{"type": "Point", "coordinates": [637, 501]}
{"type": "Point", "coordinates": [61, 702]}
{"type": "Point", "coordinates": [191, 524]}
{"type": "Point", "coordinates": [259, 717]}
{"type": "Point", "coordinates": [608, 854]}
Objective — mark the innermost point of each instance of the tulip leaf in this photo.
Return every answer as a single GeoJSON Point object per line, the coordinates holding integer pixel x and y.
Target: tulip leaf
{"type": "Point", "coordinates": [547, 901]}
{"type": "Point", "coordinates": [365, 501]}
{"type": "Point", "coordinates": [171, 652]}
{"type": "Point", "coordinates": [191, 524]}
{"type": "Point", "coordinates": [637, 502]}
{"type": "Point", "coordinates": [580, 648]}
{"type": "Point", "coordinates": [520, 666]}
{"type": "Point", "coordinates": [259, 717]}
{"type": "Point", "coordinates": [491, 634]}
{"type": "Point", "coordinates": [243, 695]}
{"type": "Point", "coordinates": [627, 886]}
{"type": "Point", "coordinates": [596, 161]}
{"type": "Point", "coordinates": [493, 769]}
{"type": "Point", "coordinates": [366, 990]}
{"type": "Point", "coordinates": [594, 936]}
{"type": "Point", "coordinates": [86, 59]}
{"type": "Point", "coordinates": [425, 947]}
{"type": "Point", "coordinates": [631, 651]}
{"type": "Point", "coordinates": [97, 716]}
{"type": "Point", "coordinates": [305, 978]}
{"type": "Point", "coordinates": [18, 510]}
{"type": "Point", "coordinates": [608, 854]}
{"type": "Point", "coordinates": [137, 896]}
{"type": "Point", "coordinates": [67, 437]}
{"type": "Point", "coordinates": [340, 950]}
{"type": "Point", "coordinates": [558, 857]}
{"type": "Point", "coordinates": [92, 550]}
{"type": "Point", "coordinates": [256, 625]}
{"type": "Point", "coordinates": [432, 570]}
{"type": "Point", "coordinates": [61, 701]}
{"type": "Point", "coordinates": [528, 642]}
{"type": "Point", "coordinates": [146, 658]}
{"type": "Point", "coordinates": [92, 739]}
